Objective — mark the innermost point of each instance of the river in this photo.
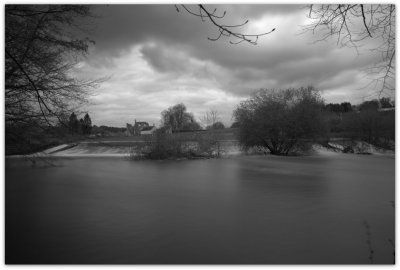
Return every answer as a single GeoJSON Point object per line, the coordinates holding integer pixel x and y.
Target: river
{"type": "Point", "coordinates": [238, 210]}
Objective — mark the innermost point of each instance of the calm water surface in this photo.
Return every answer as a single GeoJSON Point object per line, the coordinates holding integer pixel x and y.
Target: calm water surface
{"type": "Point", "coordinates": [249, 209]}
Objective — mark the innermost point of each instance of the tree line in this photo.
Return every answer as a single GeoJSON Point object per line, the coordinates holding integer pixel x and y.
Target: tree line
{"type": "Point", "coordinates": [178, 119]}
{"type": "Point", "coordinates": [43, 43]}
{"type": "Point", "coordinates": [81, 126]}
{"type": "Point", "coordinates": [344, 107]}
{"type": "Point", "coordinates": [288, 120]}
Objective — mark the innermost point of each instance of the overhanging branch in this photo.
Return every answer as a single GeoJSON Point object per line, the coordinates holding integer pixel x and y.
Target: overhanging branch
{"type": "Point", "coordinates": [224, 30]}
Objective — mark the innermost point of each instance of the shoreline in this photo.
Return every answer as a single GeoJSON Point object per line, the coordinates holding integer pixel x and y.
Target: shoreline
{"type": "Point", "coordinates": [110, 150]}
{"type": "Point", "coordinates": [314, 152]}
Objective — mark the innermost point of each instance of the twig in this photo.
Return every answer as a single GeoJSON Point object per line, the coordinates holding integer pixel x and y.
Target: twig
{"type": "Point", "coordinates": [224, 30]}
{"type": "Point", "coordinates": [365, 23]}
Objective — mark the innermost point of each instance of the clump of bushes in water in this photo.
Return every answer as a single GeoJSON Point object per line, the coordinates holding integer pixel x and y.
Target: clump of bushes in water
{"type": "Point", "coordinates": [170, 146]}
{"type": "Point", "coordinates": [283, 122]}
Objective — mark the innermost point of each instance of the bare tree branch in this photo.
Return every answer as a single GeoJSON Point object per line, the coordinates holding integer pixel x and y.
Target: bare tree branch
{"type": "Point", "coordinates": [40, 55]}
{"type": "Point", "coordinates": [349, 24]}
{"type": "Point", "coordinates": [39, 98]}
{"type": "Point", "coordinates": [224, 30]}
{"type": "Point", "coordinates": [365, 24]}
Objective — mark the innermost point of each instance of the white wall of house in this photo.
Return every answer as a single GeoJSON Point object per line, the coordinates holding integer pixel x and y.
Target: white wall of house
{"type": "Point", "coordinates": [144, 132]}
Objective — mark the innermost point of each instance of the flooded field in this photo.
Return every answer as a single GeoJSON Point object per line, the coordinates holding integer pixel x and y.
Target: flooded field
{"type": "Point", "coordinates": [244, 209]}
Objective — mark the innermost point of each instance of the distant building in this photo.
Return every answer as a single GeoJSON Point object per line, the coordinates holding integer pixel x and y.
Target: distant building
{"type": "Point", "coordinates": [138, 128]}
{"type": "Point", "coordinates": [148, 130]}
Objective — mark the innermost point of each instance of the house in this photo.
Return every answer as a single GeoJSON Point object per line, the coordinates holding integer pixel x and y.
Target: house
{"type": "Point", "coordinates": [148, 130]}
{"type": "Point", "coordinates": [138, 127]}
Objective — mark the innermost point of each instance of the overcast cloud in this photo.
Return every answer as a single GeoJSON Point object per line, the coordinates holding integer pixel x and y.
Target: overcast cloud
{"type": "Point", "coordinates": [156, 57]}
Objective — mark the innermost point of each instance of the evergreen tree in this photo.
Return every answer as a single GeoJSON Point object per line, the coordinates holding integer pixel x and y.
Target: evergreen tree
{"type": "Point", "coordinates": [73, 123]}
{"type": "Point", "coordinates": [86, 124]}
{"type": "Point", "coordinates": [81, 128]}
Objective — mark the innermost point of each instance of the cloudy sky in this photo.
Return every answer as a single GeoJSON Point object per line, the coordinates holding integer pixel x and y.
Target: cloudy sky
{"type": "Point", "coordinates": [155, 57]}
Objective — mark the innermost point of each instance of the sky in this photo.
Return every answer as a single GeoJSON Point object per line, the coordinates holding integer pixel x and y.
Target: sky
{"type": "Point", "coordinates": [154, 57]}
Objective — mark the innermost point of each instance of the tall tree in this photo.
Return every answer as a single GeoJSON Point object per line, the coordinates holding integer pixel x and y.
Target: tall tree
{"type": "Point", "coordinates": [86, 124]}
{"type": "Point", "coordinates": [279, 120]}
{"type": "Point", "coordinates": [42, 46]}
{"type": "Point", "coordinates": [73, 123]}
{"type": "Point", "coordinates": [210, 118]}
{"type": "Point", "coordinates": [177, 118]}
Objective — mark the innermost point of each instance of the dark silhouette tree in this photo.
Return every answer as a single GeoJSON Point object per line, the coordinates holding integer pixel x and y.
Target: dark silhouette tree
{"type": "Point", "coordinates": [81, 126]}
{"type": "Point", "coordinates": [73, 123]}
{"type": "Point", "coordinates": [224, 30]}
{"type": "Point", "coordinates": [42, 45]}
{"type": "Point", "coordinates": [191, 125]}
{"type": "Point", "coordinates": [177, 119]}
{"type": "Point", "coordinates": [346, 107]}
{"type": "Point", "coordinates": [370, 105]}
{"type": "Point", "coordinates": [343, 107]}
{"type": "Point", "coordinates": [86, 124]}
{"type": "Point", "coordinates": [280, 120]}
{"type": "Point", "coordinates": [371, 125]}
{"type": "Point", "coordinates": [216, 125]}
{"type": "Point", "coordinates": [386, 102]}
{"type": "Point", "coordinates": [235, 125]}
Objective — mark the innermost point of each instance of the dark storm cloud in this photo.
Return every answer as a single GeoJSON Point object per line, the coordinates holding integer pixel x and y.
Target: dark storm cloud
{"type": "Point", "coordinates": [121, 26]}
{"type": "Point", "coordinates": [157, 56]}
{"type": "Point", "coordinates": [160, 59]}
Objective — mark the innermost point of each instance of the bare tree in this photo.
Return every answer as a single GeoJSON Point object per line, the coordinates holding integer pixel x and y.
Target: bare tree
{"type": "Point", "coordinates": [229, 31]}
{"type": "Point", "coordinates": [42, 46]}
{"type": "Point", "coordinates": [210, 118]}
{"type": "Point", "coordinates": [353, 25]}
